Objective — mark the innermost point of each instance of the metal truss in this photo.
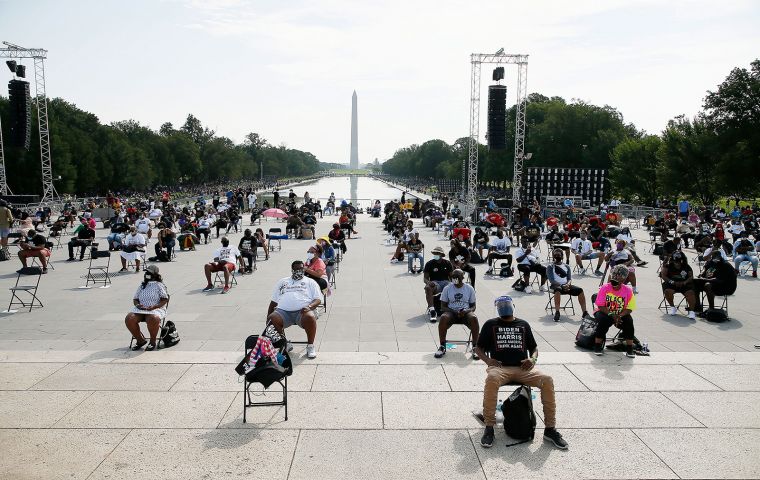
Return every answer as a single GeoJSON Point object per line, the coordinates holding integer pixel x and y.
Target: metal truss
{"type": "Point", "coordinates": [4, 190]}
{"type": "Point", "coordinates": [470, 178]}
{"type": "Point", "coordinates": [38, 55]}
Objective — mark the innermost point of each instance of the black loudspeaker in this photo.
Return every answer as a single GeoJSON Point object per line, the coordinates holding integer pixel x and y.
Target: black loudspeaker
{"type": "Point", "coordinates": [20, 114]}
{"type": "Point", "coordinates": [498, 74]}
{"type": "Point", "coordinates": [497, 117]}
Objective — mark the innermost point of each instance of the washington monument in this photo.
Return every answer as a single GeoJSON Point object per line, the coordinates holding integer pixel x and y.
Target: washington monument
{"type": "Point", "coordinates": [354, 164]}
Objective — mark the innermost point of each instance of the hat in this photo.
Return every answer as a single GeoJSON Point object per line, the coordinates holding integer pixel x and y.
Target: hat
{"type": "Point", "coordinates": [438, 251]}
{"type": "Point", "coordinates": [326, 239]}
{"type": "Point", "coordinates": [504, 306]}
{"type": "Point", "coordinates": [152, 269]}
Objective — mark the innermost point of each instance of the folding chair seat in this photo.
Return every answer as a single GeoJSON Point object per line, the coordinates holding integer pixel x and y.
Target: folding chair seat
{"type": "Point", "coordinates": [275, 235]}
{"type": "Point", "coordinates": [567, 305]}
{"type": "Point", "coordinates": [723, 304]}
{"type": "Point", "coordinates": [663, 307]}
{"type": "Point", "coordinates": [745, 267]}
{"type": "Point", "coordinates": [97, 272]}
{"type": "Point", "coordinates": [159, 338]}
{"type": "Point", "coordinates": [249, 345]}
{"type": "Point", "coordinates": [588, 264]}
{"type": "Point", "coordinates": [219, 278]}
{"type": "Point", "coordinates": [28, 289]}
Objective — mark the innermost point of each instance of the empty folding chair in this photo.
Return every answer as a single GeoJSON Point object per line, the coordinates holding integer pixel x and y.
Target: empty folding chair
{"type": "Point", "coordinates": [25, 295]}
{"type": "Point", "coordinates": [97, 270]}
{"type": "Point", "coordinates": [275, 234]}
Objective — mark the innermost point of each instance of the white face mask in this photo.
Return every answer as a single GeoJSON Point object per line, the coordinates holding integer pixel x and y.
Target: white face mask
{"type": "Point", "coordinates": [309, 256]}
{"type": "Point", "coordinates": [436, 257]}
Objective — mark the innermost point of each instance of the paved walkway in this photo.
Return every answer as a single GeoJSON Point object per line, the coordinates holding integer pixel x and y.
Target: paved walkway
{"type": "Point", "coordinates": [74, 403]}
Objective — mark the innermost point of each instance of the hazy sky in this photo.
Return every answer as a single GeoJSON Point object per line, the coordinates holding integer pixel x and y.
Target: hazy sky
{"type": "Point", "coordinates": [286, 68]}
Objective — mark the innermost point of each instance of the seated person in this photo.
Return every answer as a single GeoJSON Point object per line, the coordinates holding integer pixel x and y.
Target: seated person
{"type": "Point", "coordinates": [584, 250]}
{"type": "Point", "coordinates": [621, 256]}
{"type": "Point", "coordinates": [448, 224]}
{"type": "Point", "coordinates": [630, 245]}
{"type": "Point", "coordinates": [615, 302]}
{"type": "Point", "coordinates": [167, 240]}
{"type": "Point", "coordinates": [204, 228]}
{"type": "Point", "coordinates": [685, 232]}
{"type": "Point", "coordinates": [744, 251]}
{"type": "Point", "coordinates": [84, 237]}
{"type": "Point", "coordinates": [150, 300]}
{"type": "Point", "coordinates": [247, 247]}
{"type": "Point", "coordinates": [480, 241]}
{"type": "Point", "coordinates": [717, 278]}
{"type": "Point", "coordinates": [736, 228]}
{"type": "Point", "coordinates": [405, 237]}
{"type": "Point", "coordinates": [527, 262]}
{"type": "Point", "coordinates": [294, 300]}
{"type": "Point", "coordinates": [499, 250]}
{"type": "Point", "coordinates": [261, 241]}
{"type": "Point", "coordinates": [506, 344]}
{"type": "Point", "coordinates": [143, 226]}
{"type": "Point", "coordinates": [436, 274]}
{"type": "Point", "coordinates": [458, 305]}
{"type": "Point", "coordinates": [459, 256]}
{"type": "Point", "coordinates": [315, 267]}
{"type": "Point", "coordinates": [678, 277]}
{"type": "Point", "coordinates": [225, 259]}
{"type": "Point", "coordinates": [555, 237]}
{"type": "Point", "coordinates": [328, 256]}
{"type": "Point", "coordinates": [132, 249]}
{"type": "Point", "coordinates": [346, 223]}
{"type": "Point", "coordinates": [560, 282]}
{"type": "Point", "coordinates": [338, 238]}
{"type": "Point", "coordinates": [669, 247]}
{"type": "Point", "coordinates": [414, 248]}
{"type": "Point", "coordinates": [34, 246]}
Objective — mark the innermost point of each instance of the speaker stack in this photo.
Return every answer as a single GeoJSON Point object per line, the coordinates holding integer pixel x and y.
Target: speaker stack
{"type": "Point", "coordinates": [21, 113]}
{"type": "Point", "coordinates": [588, 183]}
{"type": "Point", "coordinates": [497, 117]}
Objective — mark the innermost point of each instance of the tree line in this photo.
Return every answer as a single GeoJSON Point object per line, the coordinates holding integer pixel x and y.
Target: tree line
{"type": "Point", "coordinates": [714, 155]}
{"type": "Point", "coordinates": [92, 158]}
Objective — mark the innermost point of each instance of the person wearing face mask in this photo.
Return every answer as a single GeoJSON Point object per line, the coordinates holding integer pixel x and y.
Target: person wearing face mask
{"type": "Point", "coordinates": [143, 226]}
{"type": "Point", "coordinates": [615, 302]}
{"type": "Point", "coordinates": [436, 274]}
{"type": "Point", "coordinates": [315, 267]}
{"type": "Point", "coordinates": [507, 346]}
{"type": "Point", "coordinates": [459, 256]}
{"type": "Point", "coordinates": [225, 259]}
{"type": "Point", "coordinates": [621, 256]}
{"type": "Point", "coordinates": [150, 301]}
{"type": "Point", "coordinates": [336, 235]}
{"type": "Point", "coordinates": [294, 300]}
{"type": "Point", "coordinates": [678, 277]}
{"type": "Point", "coordinates": [247, 247]}
{"type": "Point", "coordinates": [458, 305]}
{"type": "Point", "coordinates": [560, 282]}
{"type": "Point", "coordinates": [132, 249]}
{"type": "Point", "coordinates": [528, 262]}
{"type": "Point", "coordinates": [404, 239]}
{"type": "Point", "coordinates": [499, 250]}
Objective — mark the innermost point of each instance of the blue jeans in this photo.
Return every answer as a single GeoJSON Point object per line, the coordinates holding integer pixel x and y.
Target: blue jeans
{"type": "Point", "coordinates": [410, 259]}
{"type": "Point", "coordinates": [745, 258]}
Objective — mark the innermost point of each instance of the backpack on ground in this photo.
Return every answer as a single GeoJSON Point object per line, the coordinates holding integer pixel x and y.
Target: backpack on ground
{"type": "Point", "coordinates": [519, 417]}
{"type": "Point", "coordinates": [506, 271]}
{"type": "Point", "coordinates": [4, 254]}
{"type": "Point", "coordinates": [169, 334]}
{"type": "Point", "coordinates": [586, 333]}
{"type": "Point", "coordinates": [716, 316]}
{"type": "Point", "coordinates": [519, 285]}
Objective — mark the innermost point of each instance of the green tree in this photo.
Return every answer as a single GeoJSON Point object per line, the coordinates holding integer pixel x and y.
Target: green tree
{"type": "Point", "coordinates": [633, 175]}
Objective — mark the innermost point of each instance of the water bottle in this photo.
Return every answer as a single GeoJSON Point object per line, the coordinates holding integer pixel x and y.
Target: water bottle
{"type": "Point", "coordinates": [532, 394]}
{"type": "Point", "coordinates": [645, 346]}
{"type": "Point", "coordinates": [499, 413]}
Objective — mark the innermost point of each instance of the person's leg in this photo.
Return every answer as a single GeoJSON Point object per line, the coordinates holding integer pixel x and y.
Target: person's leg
{"type": "Point", "coordinates": [669, 293]}
{"type": "Point", "coordinates": [157, 248]}
{"type": "Point", "coordinates": [495, 378]}
{"type": "Point", "coordinates": [43, 255]}
{"type": "Point", "coordinates": [71, 246]}
{"type": "Point", "coordinates": [738, 261]}
{"type": "Point", "coordinates": [710, 295]}
{"type": "Point", "coordinates": [627, 329]}
{"type": "Point", "coordinates": [444, 324]}
{"type": "Point", "coordinates": [227, 275]}
{"type": "Point", "coordinates": [430, 290]}
{"type": "Point", "coordinates": [541, 270]}
{"type": "Point", "coordinates": [132, 321]}
{"type": "Point", "coordinates": [691, 300]}
{"type": "Point", "coordinates": [471, 274]}
{"type": "Point", "coordinates": [309, 324]}
{"type": "Point", "coordinates": [277, 321]}
{"type": "Point", "coordinates": [472, 322]}
{"type": "Point", "coordinates": [557, 298]}
{"type": "Point", "coordinates": [154, 324]}
{"type": "Point", "coordinates": [207, 272]}
{"type": "Point", "coordinates": [22, 256]}
{"type": "Point", "coordinates": [603, 324]}
{"type": "Point", "coordinates": [753, 261]}
{"type": "Point", "coordinates": [410, 261]}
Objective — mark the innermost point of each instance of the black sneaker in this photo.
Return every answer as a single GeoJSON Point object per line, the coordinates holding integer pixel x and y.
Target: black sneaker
{"type": "Point", "coordinates": [440, 352]}
{"type": "Point", "coordinates": [586, 315]}
{"type": "Point", "coordinates": [553, 436]}
{"type": "Point", "coordinates": [629, 352]}
{"type": "Point", "coordinates": [486, 440]}
{"type": "Point", "coordinates": [598, 349]}
{"type": "Point", "coordinates": [556, 316]}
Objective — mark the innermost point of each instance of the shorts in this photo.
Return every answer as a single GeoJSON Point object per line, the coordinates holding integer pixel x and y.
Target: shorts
{"type": "Point", "coordinates": [681, 290]}
{"type": "Point", "coordinates": [456, 319]}
{"type": "Point", "coordinates": [216, 267]}
{"type": "Point", "coordinates": [590, 255]}
{"type": "Point", "coordinates": [4, 232]}
{"type": "Point", "coordinates": [573, 291]}
{"type": "Point", "coordinates": [290, 318]}
{"type": "Point", "coordinates": [440, 285]}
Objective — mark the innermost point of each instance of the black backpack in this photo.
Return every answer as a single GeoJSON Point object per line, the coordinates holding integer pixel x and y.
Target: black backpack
{"type": "Point", "coordinates": [716, 316]}
{"type": "Point", "coordinates": [169, 334]}
{"type": "Point", "coordinates": [519, 417]}
{"type": "Point", "coordinates": [506, 271]}
{"type": "Point", "coordinates": [586, 333]}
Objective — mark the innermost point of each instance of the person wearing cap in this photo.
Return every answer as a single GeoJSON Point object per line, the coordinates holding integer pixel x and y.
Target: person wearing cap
{"type": "Point", "coordinates": [328, 257]}
{"type": "Point", "coordinates": [458, 305]}
{"type": "Point", "coordinates": [150, 301]}
{"type": "Point", "coordinates": [436, 274]}
{"type": "Point", "coordinates": [506, 344]}
{"type": "Point", "coordinates": [615, 302]}
{"type": "Point", "coordinates": [336, 235]}
{"type": "Point", "coordinates": [678, 277]}
{"type": "Point", "coordinates": [247, 247]}
{"type": "Point", "coordinates": [560, 277]}
{"type": "Point", "coordinates": [132, 249]}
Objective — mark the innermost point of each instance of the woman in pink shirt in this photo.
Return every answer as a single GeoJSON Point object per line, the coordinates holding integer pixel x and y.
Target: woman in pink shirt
{"type": "Point", "coordinates": [315, 268]}
{"type": "Point", "coordinates": [615, 302]}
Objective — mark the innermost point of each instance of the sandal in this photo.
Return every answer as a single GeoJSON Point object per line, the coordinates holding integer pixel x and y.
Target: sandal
{"type": "Point", "coordinates": [150, 347]}
{"type": "Point", "coordinates": [138, 346]}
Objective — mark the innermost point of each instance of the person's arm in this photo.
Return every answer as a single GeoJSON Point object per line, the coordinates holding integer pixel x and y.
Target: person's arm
{"type": "Point", "coordinates": [531, 361]}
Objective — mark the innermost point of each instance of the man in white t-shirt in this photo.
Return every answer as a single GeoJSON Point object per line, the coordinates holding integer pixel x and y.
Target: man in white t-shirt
{"type": "Point", "coordinates": [528, 262]}
{"type": "Point", "coordinates": [251, 200]}
{"type": "Point", "coordinates": [294, 300]}
{"type": "Point", "coordinates": [499, 250]}
{"type": "Point", "coordinates": [225, 259]}
{"type": "Point", "coordinates": [155, 214]}
{"type": "Point", "coordinates": [143, 226]}
{"type": "Point", "coordinates": [584, 250]}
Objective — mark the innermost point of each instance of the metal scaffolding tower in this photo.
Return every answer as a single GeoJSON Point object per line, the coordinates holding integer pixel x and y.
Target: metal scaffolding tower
{"type": "Point", "coordinates": [4, 190]}
{"type": "Point", "coordinates": [470, 174]}
{"type": "Point", "coordinates": [38, 55]}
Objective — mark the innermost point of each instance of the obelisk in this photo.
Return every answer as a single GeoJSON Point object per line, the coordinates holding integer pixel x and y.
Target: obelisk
{"type": "Point", "coordinates": [354, 164]}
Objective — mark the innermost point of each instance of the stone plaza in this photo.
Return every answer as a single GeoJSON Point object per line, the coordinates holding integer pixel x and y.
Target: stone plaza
{"type": "Point", "coordinates": [76, 403]}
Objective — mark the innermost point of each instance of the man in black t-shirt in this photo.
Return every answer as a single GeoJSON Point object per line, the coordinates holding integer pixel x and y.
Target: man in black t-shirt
{"type": "Point", "coordinates": [437, 274]}
{"type": "Point", "coordinates": [717, 278]}
{"type": "Point", "coordinates": [507, 346]}
{"type": "Point", "coordinates": [84, 238]}
{"type": "Point", "coordinates": [247, 247]}
{"type": "Point", "coordinates": [34, 246]}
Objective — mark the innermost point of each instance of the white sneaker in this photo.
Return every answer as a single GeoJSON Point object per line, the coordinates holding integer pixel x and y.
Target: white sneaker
{"type": "Point", "coordinates": [394, 260]}
{"type": "Point", "coordinates": [544, 288]}
{"type": "Point", "coordinates": [432, 314]}
{"type": "Point", "coordinates": [289, 347]}
{"type": "Point", "coordinates": [635, 291]}
{"type": "Point", "coordinates": [528, 290]}
{"type": "Point", "coordinates": [310, 352]}
{"type": "Point", "coordinates": [672, 310]}
{"type": "Point", "coordinates": [692, 315]}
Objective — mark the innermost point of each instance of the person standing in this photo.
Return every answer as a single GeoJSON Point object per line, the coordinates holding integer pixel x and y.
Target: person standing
{"type": "Point", "coordinates": [506, 344]}
{"type": "Point", "coordinates": [6, 220]}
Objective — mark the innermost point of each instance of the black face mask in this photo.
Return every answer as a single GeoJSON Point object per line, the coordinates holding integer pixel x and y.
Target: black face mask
{"type": "Point", "coordinates": [614, 283]}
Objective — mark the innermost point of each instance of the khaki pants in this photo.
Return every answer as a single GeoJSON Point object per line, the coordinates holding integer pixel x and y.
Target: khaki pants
{"type": "Point", "coordinates": [497, 377]}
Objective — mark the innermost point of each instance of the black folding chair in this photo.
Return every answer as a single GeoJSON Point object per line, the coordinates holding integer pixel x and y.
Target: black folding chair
{"type": "Point", "coordinates": [564, 307]}
{"type": "Point", "coordinates": [97, 272]}
{"type": "Point", "coordinates": [277, 232]}
{"type": "Point", "coordinates": [29, 289]}
{"type": "Point", "coordinates": [250, 343]}
{"type": "Point", "coordinates": [219, 278]}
